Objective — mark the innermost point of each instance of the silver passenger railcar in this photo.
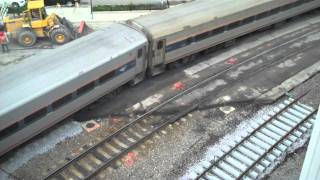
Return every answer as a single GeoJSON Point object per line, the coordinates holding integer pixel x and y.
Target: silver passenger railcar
{"type": "Point", "coordinates": [46, 88]}
{"type": "Point", "coordinates": [151, 4]}
{"type": "Point", "coordinates": [179, 32]}
{"type": "Point", "coordinates": [49, 87]}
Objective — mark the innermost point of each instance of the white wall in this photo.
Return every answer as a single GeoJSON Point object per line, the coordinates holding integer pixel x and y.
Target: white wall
{"type": "Point", "coordinates": [311, 165]}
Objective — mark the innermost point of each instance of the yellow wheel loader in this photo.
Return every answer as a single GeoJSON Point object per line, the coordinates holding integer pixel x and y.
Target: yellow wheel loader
{"type": "Point", "coordinates": [35, 23]}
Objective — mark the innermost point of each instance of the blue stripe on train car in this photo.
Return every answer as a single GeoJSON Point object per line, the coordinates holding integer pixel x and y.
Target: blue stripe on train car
{"type": "Point", "coordinates": [125, 67]}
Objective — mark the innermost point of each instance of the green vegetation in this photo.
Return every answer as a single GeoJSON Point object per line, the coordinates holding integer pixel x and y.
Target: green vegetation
{"type": "Point", "coordinates": [18, 10]}
{"type": "Point", "coordinates": [130, 7]}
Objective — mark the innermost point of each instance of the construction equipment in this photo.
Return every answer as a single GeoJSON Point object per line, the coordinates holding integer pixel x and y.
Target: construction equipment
{"type": "Point", "coordinates": [35, 23]}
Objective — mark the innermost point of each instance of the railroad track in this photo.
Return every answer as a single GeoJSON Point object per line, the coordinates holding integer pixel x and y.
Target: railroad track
{"type": "Point", "coordinates": [250, 156]}
{"type": "Point", "coordinates": [111, 149]}
{"type": "Point", "coordinates": [103, 154]}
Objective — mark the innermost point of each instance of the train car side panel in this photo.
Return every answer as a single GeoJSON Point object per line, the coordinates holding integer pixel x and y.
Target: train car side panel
{"type": "Point", "coordinates": [55, 87]}
{"type": "Point", "coordinates": [199, 25]}
{"type": "Point", "coordinates": [211, 37]}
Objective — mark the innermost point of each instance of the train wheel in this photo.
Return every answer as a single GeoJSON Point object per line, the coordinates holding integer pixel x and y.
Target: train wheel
{"type": "Point", "coordinates": [187, 59]}
{"type": "Point", "coordinates": [175, 65]}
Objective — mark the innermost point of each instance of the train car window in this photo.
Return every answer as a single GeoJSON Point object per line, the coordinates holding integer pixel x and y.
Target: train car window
{"type": "Point", "coordinates": [139, 53]}
{"type": "Point", "coordinates": [179, 44]}
{"type": "Point", "coordinates": [106, 77]}
{"type": "Point", "coordinates": [262, 15]}
{"type": "Point", "coordinates": [35, 116]}
{"type": "Point", "coordinates": [202, 36]}
{"type": "Point", "coordinates": [217, 31]}
{"type": "Point", "coordinates": [160, 45]}
{"type": "Point", "coordinates": [86, 88]}
{"type": "Point", "coordinates": [9, 130]}
{"type": "Point", "coordinates": [189, 41]}
{"type": "Point", "coordinates": [298, 3]}
{"type": "Point", "coordinates": [288, 6]}
{"type": "Point", "coordinates": [233, 25]}
{"type": "Point", "coordinates": [176, 45]}
{"type": "Point", "coordinates": [294, 4]}
{"type": "Point", "coordinates": [275, 11]}
{"type": "Point", "coordinates": [62, 101]}
{"type": "Point", "coordinates": [248, 20]}
{"type": "Point", "coordinates": [182, 43]}
{"type": "Point", "coordinates": [171, 47]}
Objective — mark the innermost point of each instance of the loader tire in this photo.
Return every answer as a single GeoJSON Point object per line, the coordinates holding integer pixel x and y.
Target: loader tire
{"type": "Point", "coordinates": [60, 35]}
{"type": "Point", "coordinates": [26, 37]}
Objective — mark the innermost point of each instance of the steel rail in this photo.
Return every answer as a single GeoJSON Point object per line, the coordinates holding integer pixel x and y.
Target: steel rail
{"type": "Point", "coordinates": [249, 135]}
{"type": "Point", "coordinates": [277, 143]}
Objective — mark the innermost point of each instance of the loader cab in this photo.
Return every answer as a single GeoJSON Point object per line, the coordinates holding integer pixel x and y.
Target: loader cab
{"type": "Point", "coordinates": [38, 14]}
{"type": "Point", "coordinates": [35, 19]}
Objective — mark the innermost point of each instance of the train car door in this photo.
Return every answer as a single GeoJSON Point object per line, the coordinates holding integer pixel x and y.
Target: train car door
{"type": "Point", "coordinates": [158, 57]}
{"type": "Point", "coordinates": [140, 66]}
{"type": "Point", "coordinates": [159, 53]}
{"type": "Point", "coordinates": [141, 56]}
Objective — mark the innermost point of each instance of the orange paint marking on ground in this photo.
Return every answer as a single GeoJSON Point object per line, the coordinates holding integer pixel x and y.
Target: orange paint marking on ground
{"type": "Point", "coordinates": [130, 159]}
{"type": "Point", "coordinates": [269, 45]}
{"type": "Point", "coordinates": [91, 126]}
{"type": "Point", "coordinates": [232, 61]}
{"type": "Point", "coordinates": [178, 86]}
{"type": "Point", "coordinates": [115, 120]}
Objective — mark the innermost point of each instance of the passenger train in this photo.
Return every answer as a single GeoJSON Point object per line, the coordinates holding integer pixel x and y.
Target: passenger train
{"type": "Point", "coordinates": [48, 87]}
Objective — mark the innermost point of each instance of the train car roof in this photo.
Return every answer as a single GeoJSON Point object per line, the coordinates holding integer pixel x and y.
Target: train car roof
{"type": "Point", "coordinates": [135, 2]}
{"type": "Point", "coordinates": [192, 14]}
{"type": "Point", "coordinates": [39, 74]}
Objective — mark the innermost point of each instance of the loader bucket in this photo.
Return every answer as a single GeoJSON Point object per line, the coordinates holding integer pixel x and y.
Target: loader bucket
{"type": "Point", "coordinates": [69, 26]}
{"type": "Point", "coordinates": [84, 29]}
